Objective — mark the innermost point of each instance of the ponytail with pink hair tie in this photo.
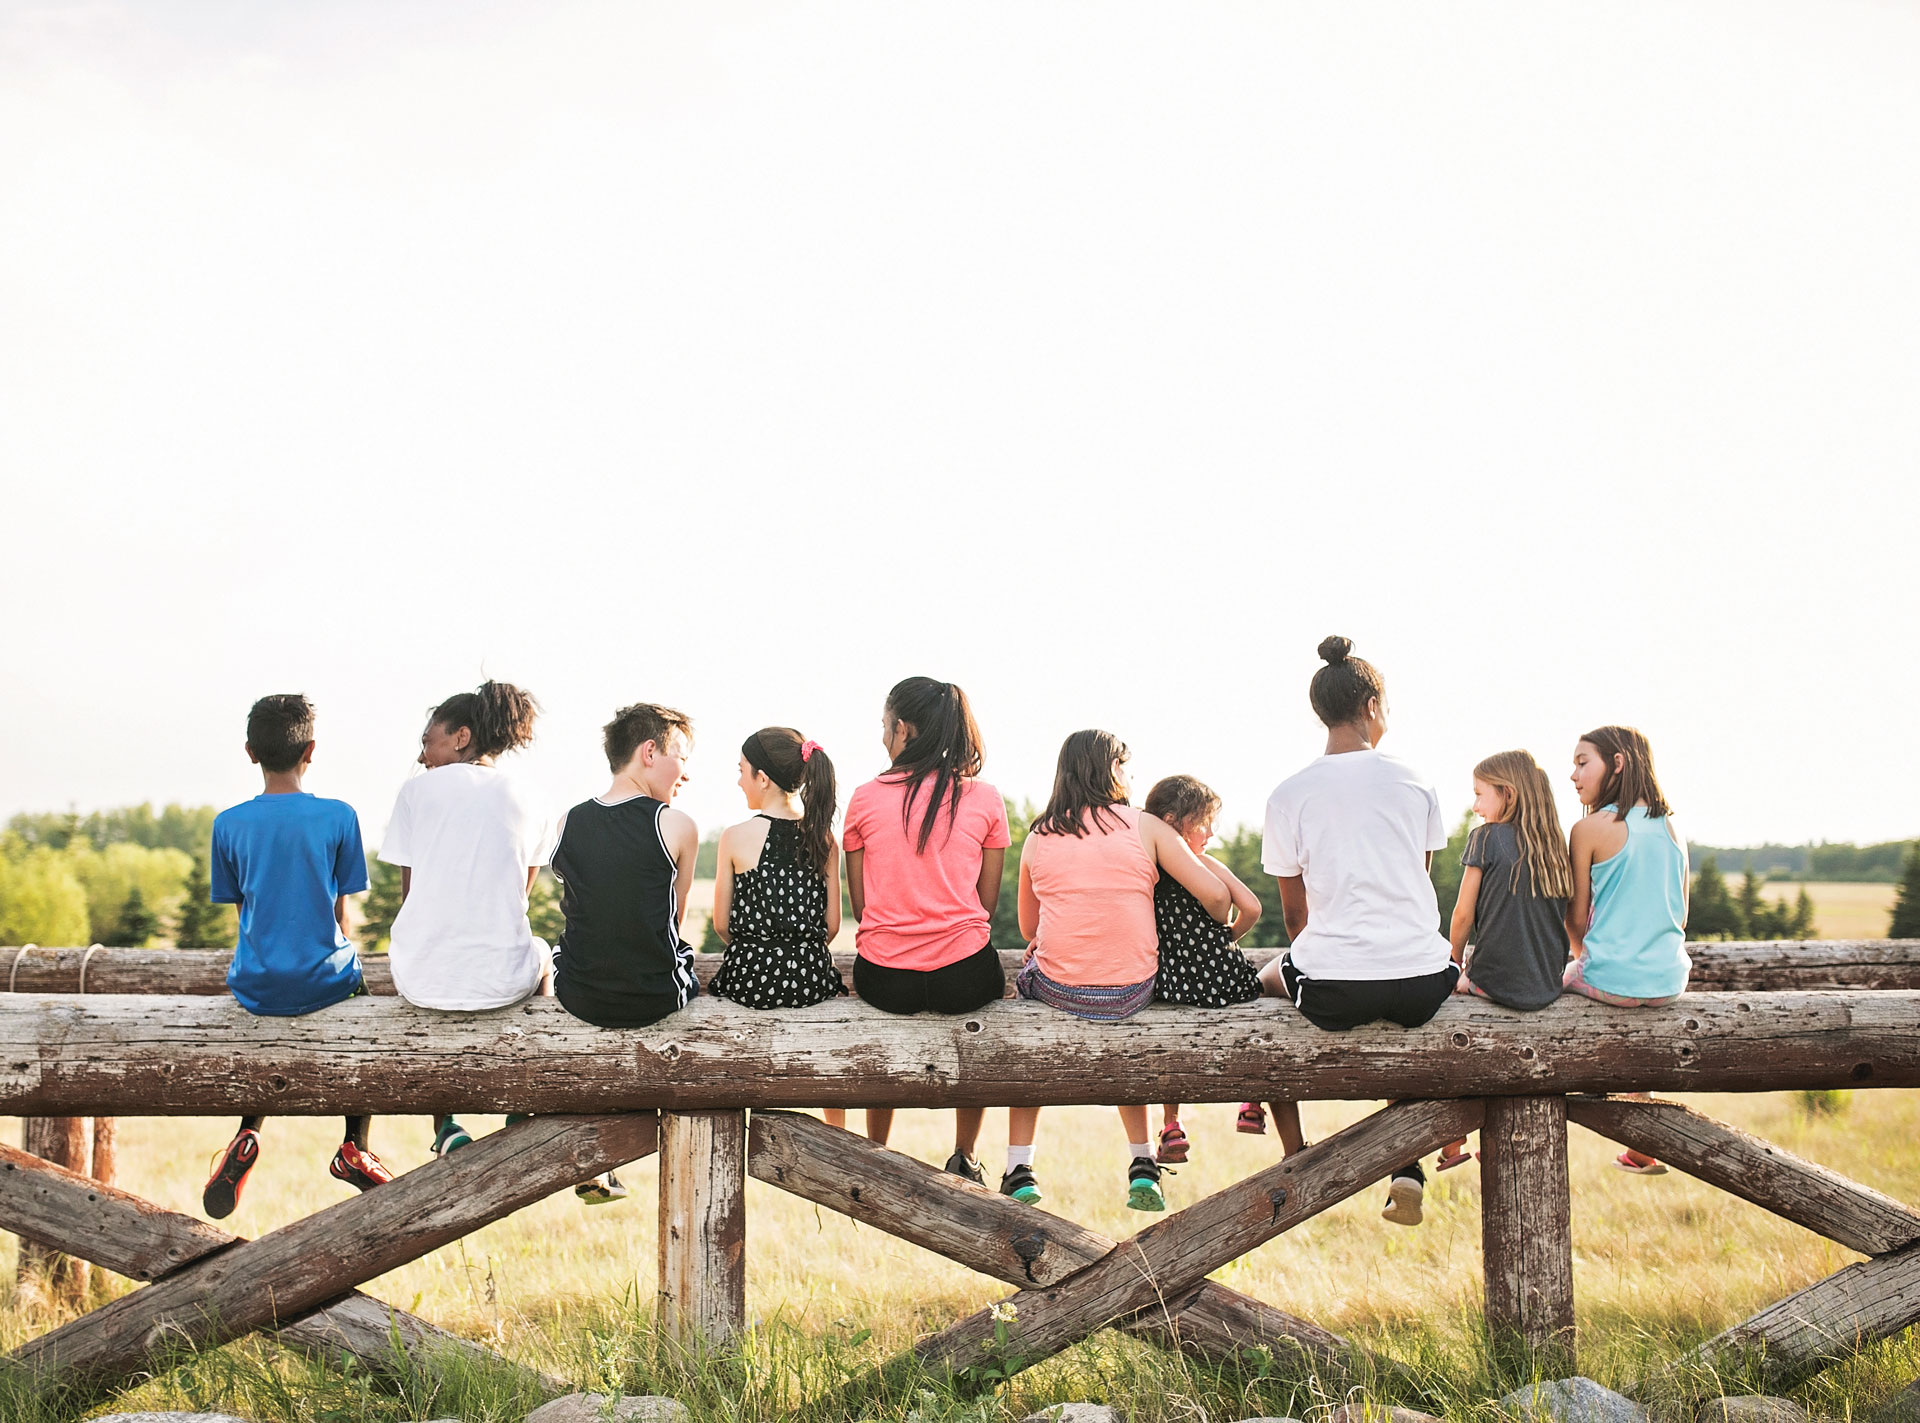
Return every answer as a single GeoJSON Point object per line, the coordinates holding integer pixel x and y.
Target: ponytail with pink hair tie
{"type": "Point", "coordinates": [807, 748]}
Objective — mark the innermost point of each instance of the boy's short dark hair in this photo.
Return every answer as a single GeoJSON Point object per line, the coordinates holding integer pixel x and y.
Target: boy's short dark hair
{"type": "Point", "coordinates": [1182, 801]}
{"type": "Point", "coordinates": [632, 727]}
{"type": "Point", "coordinates": [280, 729]}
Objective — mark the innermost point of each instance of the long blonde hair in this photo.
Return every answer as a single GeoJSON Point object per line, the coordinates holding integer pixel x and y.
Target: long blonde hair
{"type": "Point", "coordinates": [1536, 824]}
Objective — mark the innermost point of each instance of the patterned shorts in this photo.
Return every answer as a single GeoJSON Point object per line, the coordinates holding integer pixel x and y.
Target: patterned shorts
{"type": "Point", "coordinates": [1098, 1004]}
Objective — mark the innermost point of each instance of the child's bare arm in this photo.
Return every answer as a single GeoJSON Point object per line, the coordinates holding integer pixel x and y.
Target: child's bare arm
{"type": "Point", "coordinates": [683, 843]}
{"type": "Point", "coordinates": [1293, 903]}
{"type": "Point", "coordinates": [856, 885]}
{"type": "Point", "coordinates": [833, 891]}
{"type": "Point", "coordinates": [340, 912]}
{"type": "Point", "coordinates": [1246, 904]}
{"type": "Point", "coordinates": [1029, 905]}
{"type": "Point", "coordinates": [722, 886]}
{"type": "Point", "coordinates": [988, 887]}
{"type": "Point", "coordinates": [1580, 902]}
{"type": "Point", "coordinates": [1463, 911]}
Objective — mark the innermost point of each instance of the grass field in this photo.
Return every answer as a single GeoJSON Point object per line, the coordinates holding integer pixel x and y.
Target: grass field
{"type": "Point", "coordinates": [1840, 911]}
{"type": "Point", "coordinates": [1660, 1264]}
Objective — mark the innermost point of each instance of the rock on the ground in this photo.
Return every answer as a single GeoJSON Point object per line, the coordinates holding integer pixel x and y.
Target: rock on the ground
{"type": "Point", "coordinates": [1575, 1400]}
{"type": "Point", "coordinates": [1269, 1418]}
{"type": "Point", "coordinates": [1076, 1413]}
{"type": "Point", "coordinates": [1378, 1413]}
{"type": "Point", "coordinates": [593, 1408]}
{"type": "Point", "coordinates": [169, 1418]}
{"type": "Point", "coordinates": [1752, 1408]}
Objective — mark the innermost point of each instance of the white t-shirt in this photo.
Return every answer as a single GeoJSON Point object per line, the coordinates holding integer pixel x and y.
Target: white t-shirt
{"type": "Point", "coordinates": [461, 941]}
{"type": "Point", "coordinates": [1357, 827]}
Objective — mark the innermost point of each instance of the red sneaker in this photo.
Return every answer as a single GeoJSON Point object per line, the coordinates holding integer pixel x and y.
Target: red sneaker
{"type": "Point", "coordinates": [358, 1167]}
{"type": "Point", "coordinates": [230, 1169]}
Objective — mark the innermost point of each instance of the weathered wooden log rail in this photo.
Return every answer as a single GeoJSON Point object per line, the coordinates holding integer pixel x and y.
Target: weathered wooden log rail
{"type": "Point", "coordinates": [1759, 966]}
{"type": "Point", "coordinates": [705, 1087]}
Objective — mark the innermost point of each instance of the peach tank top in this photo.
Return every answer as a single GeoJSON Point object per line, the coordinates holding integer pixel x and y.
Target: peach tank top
{"type": "Point", "coordinates": [1096, 904]}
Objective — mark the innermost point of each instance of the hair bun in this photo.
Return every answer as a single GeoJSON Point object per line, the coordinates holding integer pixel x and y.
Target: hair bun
{"type": "Point", "coordinates": [1334, 650]}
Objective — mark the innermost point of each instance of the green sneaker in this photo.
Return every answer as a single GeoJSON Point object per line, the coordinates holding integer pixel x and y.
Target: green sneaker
{"type": "Point", "coordinates": [1019, 1184]}
{"type": "Point", "coordinates": [450, 1138]}
{"type": "Point", "coordinates": [1143, 1185]}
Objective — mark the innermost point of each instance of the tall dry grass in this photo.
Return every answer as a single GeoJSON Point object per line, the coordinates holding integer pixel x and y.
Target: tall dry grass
{"type": "Point", "coordinates": [1659, 1265]}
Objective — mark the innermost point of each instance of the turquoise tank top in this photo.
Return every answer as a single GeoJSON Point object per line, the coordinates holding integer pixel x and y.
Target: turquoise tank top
{"type": "Point", "coordinates": [1637, 941]}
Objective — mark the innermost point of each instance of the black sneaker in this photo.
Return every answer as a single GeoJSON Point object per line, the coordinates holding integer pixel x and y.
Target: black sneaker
{"type": "Point", "coordinates": [960, 1164]}
{"type": "Point", "coordinates": [229, 1174]}
{"type": "Point", "coordinates": [1019, 1184]}
{"type": "Point", "coordinates": [1143, 1185]}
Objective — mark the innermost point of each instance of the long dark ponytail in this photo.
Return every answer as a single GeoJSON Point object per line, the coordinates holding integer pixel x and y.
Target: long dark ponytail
{"type": "Point", "coordinates": [498, 715]}
{"type": "Point", "coordinates": [799, 767]}
{"type": "Point", "coordinates": [945, 748]}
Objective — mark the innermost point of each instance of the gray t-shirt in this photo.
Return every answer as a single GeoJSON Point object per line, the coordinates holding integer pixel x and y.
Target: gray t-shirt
{"type": "Point", "coordinates": [1519, 938]}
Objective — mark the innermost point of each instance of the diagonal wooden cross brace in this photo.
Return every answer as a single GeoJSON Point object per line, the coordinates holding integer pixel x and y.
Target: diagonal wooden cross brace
{"type": "Point", "coordinates": [1171, 1257]}
{"type": "Point", "coordinates": [291, 1272]}
{"type": "Point", "coordinates": [78, 1216]}
{"type": "Point", "coordinates": [1013, 1242]}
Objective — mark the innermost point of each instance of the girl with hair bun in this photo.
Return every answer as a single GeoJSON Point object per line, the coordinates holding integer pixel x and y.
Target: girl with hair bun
{"type": "Point", "coordinates": [468, 846]}
{"type": "Point", "coordinates": [1351, 839]}
{"type": "Point", "coordinates": [776, 890]}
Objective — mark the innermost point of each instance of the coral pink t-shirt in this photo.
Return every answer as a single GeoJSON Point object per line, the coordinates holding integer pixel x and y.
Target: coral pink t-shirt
{"type": "Point", "coordinates": [1096, 903]}
{"type": "Point", "coordinates": [922, 911]}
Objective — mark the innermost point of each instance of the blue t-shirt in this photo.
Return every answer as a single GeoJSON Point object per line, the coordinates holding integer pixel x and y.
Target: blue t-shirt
{"type": "Point", "coordinates": [285, 859]}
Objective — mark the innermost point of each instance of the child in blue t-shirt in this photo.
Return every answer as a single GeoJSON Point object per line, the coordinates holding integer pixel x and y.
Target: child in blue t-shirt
{"type": "Point", "coordinates": [289, 860]}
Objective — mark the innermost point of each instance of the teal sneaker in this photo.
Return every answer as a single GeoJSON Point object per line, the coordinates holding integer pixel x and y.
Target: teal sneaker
{"type": "Point", "coordinates": [1019, 1184]}
{"type": "Point", "coordinates": [1143, 1185]}
{"type": "Point", "coordinates": [450, 1138]}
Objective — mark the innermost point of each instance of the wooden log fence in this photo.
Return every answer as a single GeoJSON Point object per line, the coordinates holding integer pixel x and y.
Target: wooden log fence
{"type": "Point", "coordinates": [1758, 966]}
{"type": "Point", "coordinates": [706, 1087]}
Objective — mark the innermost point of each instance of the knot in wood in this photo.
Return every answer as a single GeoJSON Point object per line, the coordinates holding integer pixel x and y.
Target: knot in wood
{"type": "Point", "coordinates": [1276, 1198]}
{"type": "Point", "coordinates": [1029, 1248]}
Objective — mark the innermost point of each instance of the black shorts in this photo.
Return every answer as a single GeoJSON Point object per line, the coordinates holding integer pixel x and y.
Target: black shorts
{"type": "Point", "coordinates": [1337, 1004]}
{"type": "Point", "coordinates": [962, 987]}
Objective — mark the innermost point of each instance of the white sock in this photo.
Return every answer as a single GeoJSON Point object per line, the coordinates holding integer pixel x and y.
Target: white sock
{"type": "Point", "coordinates": [1138, 1149]}
{"type": "Point", "coordinates": [1019, 1156]}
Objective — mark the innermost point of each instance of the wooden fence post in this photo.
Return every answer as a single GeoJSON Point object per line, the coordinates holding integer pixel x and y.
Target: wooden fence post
{"type": "Point", "coordinates": [1526, 1229]}
{"type": "Point", "coordinates": [65, 1141]}
{"type": "Point", "coordinates": [703, 1226]}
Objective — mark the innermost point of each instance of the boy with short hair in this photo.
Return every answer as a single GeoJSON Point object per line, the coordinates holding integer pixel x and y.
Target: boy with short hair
{"type": "Point", "coordinates": [289, 859]}
{"type": "Point", "coordinates": [625, 862]}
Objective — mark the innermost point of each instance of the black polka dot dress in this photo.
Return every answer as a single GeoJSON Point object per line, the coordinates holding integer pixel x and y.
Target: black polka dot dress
{"type": "Point", "coordinates": [1199, 964]}
{"type": "Point", "coordinates": [778, 921]}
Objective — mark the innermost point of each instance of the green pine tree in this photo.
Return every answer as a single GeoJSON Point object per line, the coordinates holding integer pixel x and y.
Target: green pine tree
{"type": "Point", "coordinates": [1802, 925]}
{"type": "Point", "coordinates": [1754, 917]}
{"type": "Point", "coordinates": [202, 924]}
{"type": "Point", "coordinates": [382, 905]}
{"type": "Point", "coordinates": [710, 940]}
{"type": "Point", "coordinates": [136, 924]}
{"type": "Point", "coordinates": [1711, 912]}
{"type": "Point", "coordinates": [1906, 899]}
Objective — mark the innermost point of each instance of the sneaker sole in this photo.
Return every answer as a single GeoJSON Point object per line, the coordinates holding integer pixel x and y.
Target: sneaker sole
{"type": "Point", "coordinates": [1406, 1197]}
{"type": "Point", "coordinates": [221, 1196]}
{"type": "Point", "coordinates": [1144, 1196]}
{"type": "Point", "coordinates": [1028, 1195]}
{"type": "Point", "coordinates": [1656, 1169]}
{"type": "Point", "coordinates": [1176, 1157]}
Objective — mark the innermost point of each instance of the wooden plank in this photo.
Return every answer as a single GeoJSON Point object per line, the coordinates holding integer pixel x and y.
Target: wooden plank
{"type": "Point", "coordinates": [1013, 1242]}
{"type": "Point", "coordinates": [1820, 1325]}
{"type": "Point", "coordinates": [1771, 1177]}
{"type": "Point", "coordinates": [1181, 1250]}
{"type": "Point", "coordinates": [703, 1226]}
{"type": "Point", "coordinates": [1526, 1229]}
{"type": "Point", "coordinates": [184, 1056]}
{"type": "Point", "coordinates": [1811, 965]}
{"type": "Point", "coordinates": [63, 1210]}
{"type": "Point", "coordinates": [294, 1270]}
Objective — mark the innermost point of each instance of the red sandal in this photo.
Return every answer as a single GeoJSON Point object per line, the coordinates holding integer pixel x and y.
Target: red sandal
{"type": "Point", "coordinates": [1252, 1119]}
{"type": "Point", "coordinates": [1173, 1145]}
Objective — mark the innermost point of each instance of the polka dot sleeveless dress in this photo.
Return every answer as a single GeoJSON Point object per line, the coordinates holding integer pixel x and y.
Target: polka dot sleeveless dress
{"type": "Point", "coordinates": [1199, 964]}
{"type": "Point", "coordinates": [779, 956]}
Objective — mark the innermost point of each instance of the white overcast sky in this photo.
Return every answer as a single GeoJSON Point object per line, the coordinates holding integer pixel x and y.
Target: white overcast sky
{"type": "Point", "coordinates": [1099, 357]}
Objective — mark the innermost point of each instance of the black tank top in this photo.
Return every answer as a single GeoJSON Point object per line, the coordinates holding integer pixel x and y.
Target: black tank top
{"type": "Point", "coordinates": [621, 962]}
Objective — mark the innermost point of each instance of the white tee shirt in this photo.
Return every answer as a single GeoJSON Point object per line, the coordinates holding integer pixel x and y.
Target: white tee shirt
{"type": "Point", "coordinates": [1356, 826]}
{"type": "Point", "coordinates": [461, 941]}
